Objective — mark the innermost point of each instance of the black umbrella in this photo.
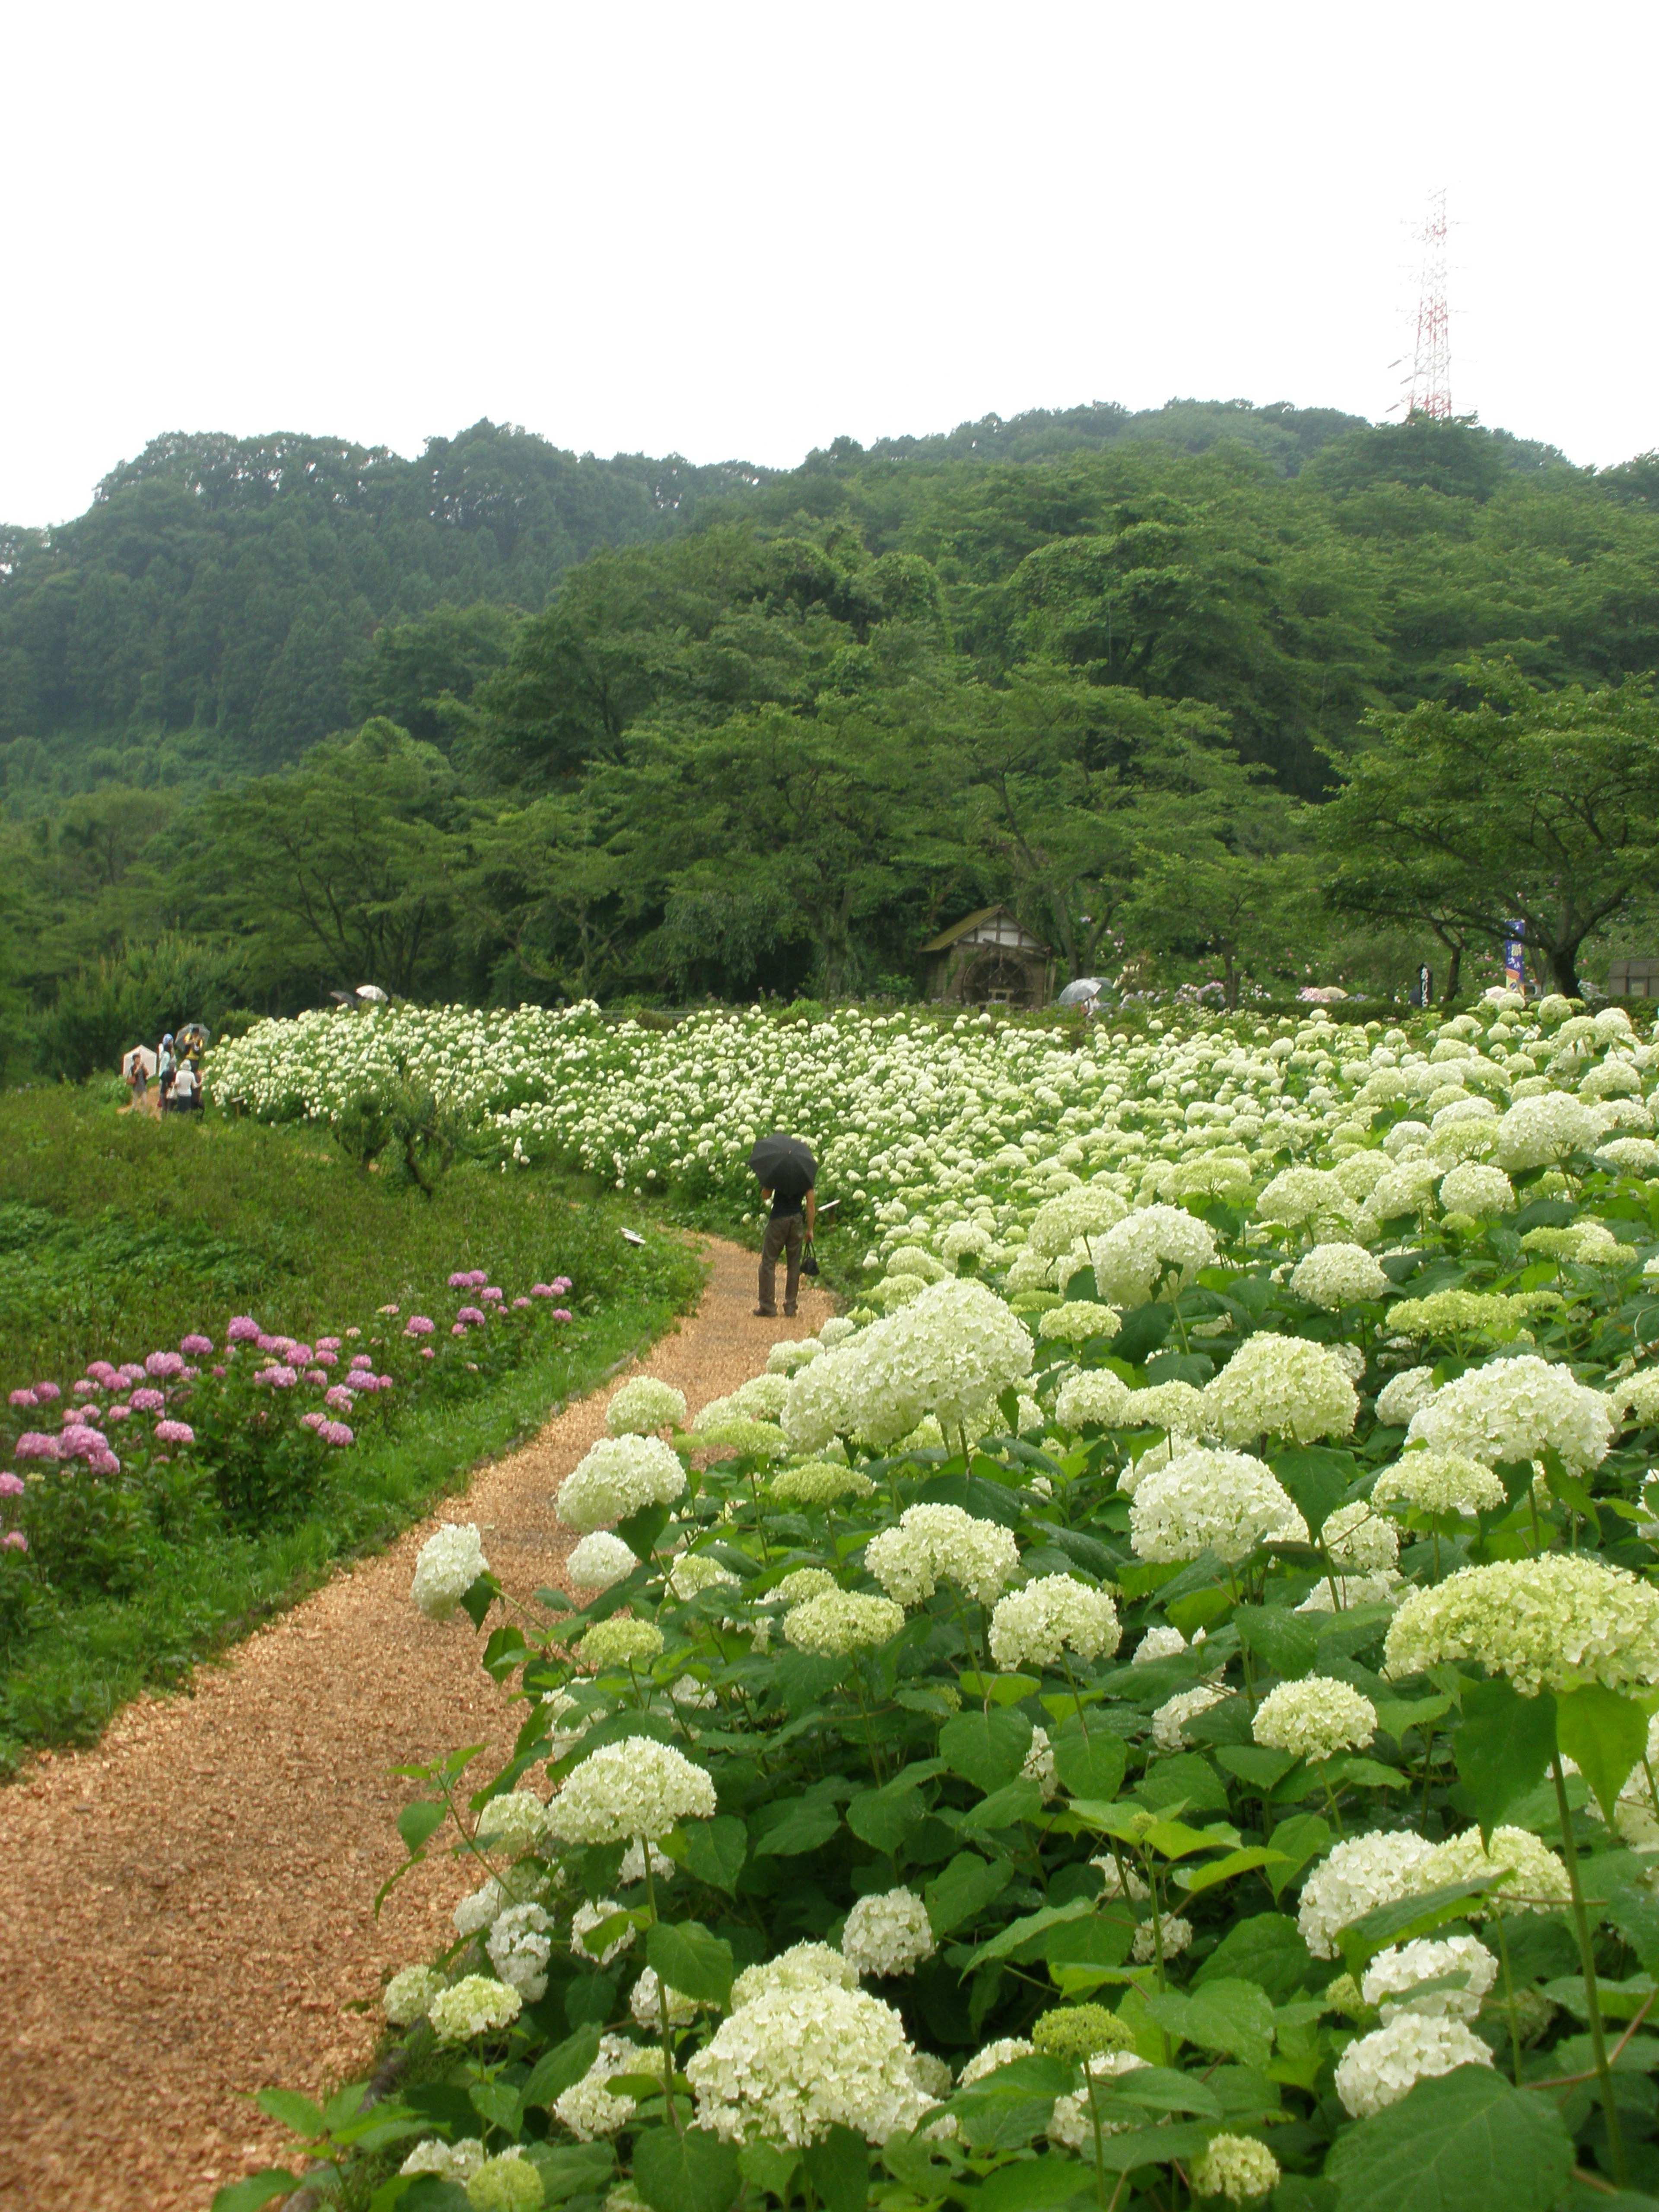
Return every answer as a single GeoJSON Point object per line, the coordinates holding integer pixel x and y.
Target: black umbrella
{"type": "Point", "coordinates": [784, 1165]}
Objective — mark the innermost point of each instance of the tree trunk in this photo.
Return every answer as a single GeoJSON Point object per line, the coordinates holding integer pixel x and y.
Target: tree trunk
{"type": "Point", "coordinates": [1453, 971]}
{"type": "Point", "coordinates": [1563, 968]}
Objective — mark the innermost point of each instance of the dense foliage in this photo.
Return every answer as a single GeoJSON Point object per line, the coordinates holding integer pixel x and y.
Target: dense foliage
{"type": "Point", "coordinates": [1154, 1706]}
{"type": "Point", "coordinates": [771, 731]}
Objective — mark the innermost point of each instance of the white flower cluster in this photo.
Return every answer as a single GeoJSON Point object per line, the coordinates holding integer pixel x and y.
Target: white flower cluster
{"type": "Point", "coordinates": [476, 2005]}
{"type": "Point", "coordinates": [408, 1995]}
{"type": "Point", "coordinates": [1356, 1876]}
{"type": "Point", "coordinates": [1439, 1482]}
{"type": "Point", "coordinates": [617, 1476]}
{"type": "Point", "coordinates": [1376, 2071]}
{"type": "Point", "coordinates": [599, 1560]}
{"type": "Point", "coordinates": [634, 1788]}
{"type": "Point", "coordinates": [643, 1406]}
{"type": "Point", "coordinates": [949, 1352]}
{"type": "Point", "coordinates": [1517, 1409]}
{"type": "Point", "coordinates": [1031, 1628]}
{"type": "Point", "coordinates": [887, 1934]}
{"type": "Point", "coordinates": [931, 1544]}
{"type": "Point", "coordinates": [1315, 1717]}
{"type": "Point", "coordinates": [519, 1947]}
{"type": "Point", "coordinates": [791, 2064]}
{"type": "Point", "coordinates": [1444, 1977]}
{"type": "Point", "coordinates": [1157, 1249]}
{"type": "Point", "coordinates": [1337, 1276]}
{"type": "Point", "coordinates": [589, 2108]}
{"type": "Point", "coordinates": [837, 1623]}
{"type": "Point", "coordinates": [801, 1966]}
{"type": "Point", "coordinates": [1223, 1502]}
{"type": "Point", "coordinates": [449, 1563]}
{"type": "Point", "coordinates": [1548, 1623]}
{"type": "Point", "coordinates": [1280, 1386]}
{"type": "Point", "coordinates": [1093, 1397]}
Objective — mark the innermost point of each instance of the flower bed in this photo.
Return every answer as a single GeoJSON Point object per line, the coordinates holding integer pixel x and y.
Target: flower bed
{"type": "Point", "coordinates": [1154, 1706]}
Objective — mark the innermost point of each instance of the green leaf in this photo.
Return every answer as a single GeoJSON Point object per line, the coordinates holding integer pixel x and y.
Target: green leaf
{"type": "Point", "coordinates": [1091, 1765]}
{"type": "Point", "coordinates": [505, 1652]}
{"type": "Point", "coordinates": [296, 2113]}
{"type": "Point", "coordinates": [1284, 1641]}
{"type": "Point", "coordinates": [838, 2167]}
{"type": "Point", "coordinates": [1266, 1948]}
{"type": "Point", "coordinates": [987, 1749]}
{"type": "Point", "coordinates": [1009, 1939]}
{"type": "Point", "coordinates": [692, 2172]}
{"type": "Point", "coordinates": [802, 1826]}
{"type": "Point", "coordinates": [715, 1850]}
{"type": "Point", "coordinates": [566, 2063]}
{"type": "Point", "coordinates": [692, 1961]}
{"type": "Point", "coordinates": [1254, 1764]}
{"type": "Point", "coordinates": [1007, 1807]}
{"type": "Point", "coordinates": [1154, 2146]}
{"type": "Point", "coordinates": [1032, 2185]}
{"type": "Point", "coordinates": [419, 1822]}
{"type": "Point", "coordinates": [1502, 1746]}
{"type": "Point", "coordinates": [1082, 1953]}
{"type": "Point", "coordinates": [1186, 1779]}
{"type": "Point", "coordinates": [963, 1890]}
{"type": "Point", "coordinates": [768, 2167]}
{"type": "Point", "coordinates": [1318, 1478]}
{"type": "Point", "coordinates": [1407, 1919]}
{"type": "Point", "coordinates": [257, 2189]}
{"type": "Point", "coordinates": [1573, 1494]}
{"type": "Point", "coordinates": [1223, 2014]}
{"type": "Point", "coordinates": [499, 2103]}
{"type": "Point", "coordinates": [1143, 1329]}
{"type": "Point", "coordinates": [803, 1679]}
{"type": "Point", "coordinates": [1635, 1913]}
{"type": "Point", "coordinates": [1605, 1736]}
{"type": "Point", "coordinates": [1001, 1689]}
{"type": "Point", "coordinates": [640, 1530]}
{"type": "Point", "coordinates": [1301, 1838]}
{"type": "Point", "coordinates": [1198, 1609]}
{"type": "Point", "coordinates": [1462, 2139]}
{"type": "Point", "coordinates": [1162, 2089]}
{"type": "Point", "coordinates": [1193, 1880]}
{"type": "Point", "coordinates": [477, 1600]}
{"type": "Point", "coordinates": [571, 2169]}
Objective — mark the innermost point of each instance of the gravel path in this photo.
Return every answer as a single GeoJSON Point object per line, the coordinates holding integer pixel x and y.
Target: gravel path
{"type": "Point", "coordinates": [189, 1906]}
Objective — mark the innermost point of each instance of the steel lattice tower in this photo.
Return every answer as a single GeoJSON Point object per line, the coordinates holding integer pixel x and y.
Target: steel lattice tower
{"type": "Point", "coordinates": [1430, 386]}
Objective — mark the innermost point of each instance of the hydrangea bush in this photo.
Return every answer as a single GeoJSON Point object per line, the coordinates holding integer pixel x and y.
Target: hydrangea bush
{"type": "Point", "coordinates": [1155, 1707]}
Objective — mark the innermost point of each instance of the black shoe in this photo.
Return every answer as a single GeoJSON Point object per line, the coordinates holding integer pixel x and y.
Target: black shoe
{"type": "Point", "coordinates": [766, 1313]}
{"type": "Point", "coordinates": [789, 1313]}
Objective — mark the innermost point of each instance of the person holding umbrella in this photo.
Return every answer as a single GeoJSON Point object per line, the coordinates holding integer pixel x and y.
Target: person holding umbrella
{"type": "Point", "coordinates": [787, 1173]}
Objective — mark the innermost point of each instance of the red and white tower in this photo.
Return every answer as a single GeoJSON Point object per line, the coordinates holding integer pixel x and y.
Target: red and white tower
{"type": "Point", "coordinates": [1430, 384]}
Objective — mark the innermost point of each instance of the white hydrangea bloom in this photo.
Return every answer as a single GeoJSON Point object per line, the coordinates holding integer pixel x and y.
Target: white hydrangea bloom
{"type": "Point", "coordinates": [1071, 2124]}
{"type": "Point", "coordinates": [1386, 1587]}
{"type": "Point", "coordinates": [1538, 1879]}
{"type": "Point", "coordinates": [1090, 1211]}
{"type": "Point", "coordinates": [1280, 1386]}
{"type": "Point", "coordinates": [1377, 2070]}
{"type": "Point", "coordinates": [588, 1918]}
{"type": "Point", "coordinates": [1094, 1397]}
{"type": "Point", "coordinates": [797, 1968]}
{"type": "Point", "coordinates": [1221, 1501]}
{"type": "Point", "coordinates": [479, 1911]}
{"type": "Point", "coordinates": [1236, 2167]}
{"type": "Point", "coordinates": [1333, 1275]}
{"type": "Point", "coordinates": [1439, 1482]}
{"type": "Point", "coordinates": [802, 1582]}
{"type": "Point", "coordinates": [1298, 1196]}
{"type": "Point", "coordinates": [1031, 1627]}
{"type": "Point", "coordinates": [643, 1406]}
{"type": "Point", "coordinates": [1517, 1409]}
{"type": "Point", "coordinates": [599, 1560]}
{"type": "Point", "coordinates": [645, 2003]}
{"type": "Point", "coordinates": [634, 1788]}
{"type": "Point", "coordinates": [1355, 1877]}
{"type": "Point", "coordinates": [696, 1571]}
{"type": "Point", "coordinates": [1315, 1717]}
{"type": "Point", "coordinates": [1477, 1190]}
{"type": "Point", "coordinates": [1169, 1932]}
{"type": "Point", "coordinates": [450, 1562]}
{"type": "Point", "coordinates": [1537, 1132]}
{"type": "Point", "coordinates": [457, 2163]}
{"type": "Point", "coordinates": [1155, 1241]}
{"type": "Point", "coordinates": [791, 1352]}
{"type": "Point", "coordinates": [840, 1622]}
{"type": "Point", "coordinates": [1405, 1394]}
{"type": "Point", "coordinates": [888, 1934]}
{"type": "Point", "coordinates": [1395, 1976]}
{"type": "Point", "coordinates": [1548, 1623]}
{"type": "Point", "coordinates": [407, 1995]}
{"type": "Point", "coordinates": [1169, 1721]}
{"type": "Point", "coordinates": [1158, 1644]}
{"type": "Point", "coordinates": [519, 1947]}
{"type": "Point", "coordinates": [942, 1543]}
{"type": "Point", "coordinates": [476, 2005]}
{"type": "Point", "coordinates": [588, 2108]}
{"type": "Point", "coordinates": [949, 1352]}
{"type": "Point", "coordinates": [1077, 1320]}
{"type": "Point", "coordinates": [617, 1476]}
{"type": "Point", "coordinates": [1120, 1880]}
{"type": "Point", "coordinates": [792, 2064]}
{"type": "Point", "coordinates": [1358, 1540]}
{"type": "Point", "coordinates": [634, 1864]}
{"type": "Point", "coordinates": [1002, 2052]}
{"type": "Point", "coordinates": [512, 1822]}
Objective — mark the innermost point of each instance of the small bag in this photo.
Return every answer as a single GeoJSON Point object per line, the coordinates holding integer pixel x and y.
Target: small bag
{"type": "Point", "coordinates": [809, 1260]}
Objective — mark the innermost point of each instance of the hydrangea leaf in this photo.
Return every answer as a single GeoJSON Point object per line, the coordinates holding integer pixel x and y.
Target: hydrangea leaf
{"type": "Point", "coordinates": [985, 1748]}
{"type": "Point", "coordinates": [1461, 2139]}
{"type": "Point", "coordinates": [1225, 2015]}
{"type": "Point", "coordinates": [1033, 2185]}
{"type": "Point", "coordinates": [690, 2172]}
{"type": "Point", "coordinates": [692, 1961]}
{"type": "Point", "coordinates": [715, 1850]}
{"type": "Point", "coordinates": [1604, 1735]}
{"type": "Point", "coordinates": [963, 1889]}
{"type": "Point", "coordinates": [1266, 1948]}
{"type": "Point", "coordinates": [1407, 1919]}
{"type": "Point", "coordinates": [256, 2190]}
{"type": "Point", "coordinates": [566, 2061]}
{"type": "Point", "coordinates": [838, 2167]}
{"type": "Point", "coordinates": [1089, 1766]}
{"type": "Point", "coordinates": [1503, 1746]}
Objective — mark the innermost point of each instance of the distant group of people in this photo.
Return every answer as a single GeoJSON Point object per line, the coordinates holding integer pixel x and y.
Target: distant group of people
{"type": "Point", "coordinates": [177, 1066]}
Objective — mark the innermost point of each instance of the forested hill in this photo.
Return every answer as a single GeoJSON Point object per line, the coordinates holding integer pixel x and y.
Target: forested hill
{"type": "Point", "coordinates": [205, 616]}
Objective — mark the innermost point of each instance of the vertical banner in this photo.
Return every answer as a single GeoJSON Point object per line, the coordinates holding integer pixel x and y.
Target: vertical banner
{"type": "Point", "coordinates": [1515, 957]}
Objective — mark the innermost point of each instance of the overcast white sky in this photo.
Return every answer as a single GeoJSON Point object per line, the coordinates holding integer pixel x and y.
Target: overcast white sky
{"type": "Point", "coordinates": [740, 230]}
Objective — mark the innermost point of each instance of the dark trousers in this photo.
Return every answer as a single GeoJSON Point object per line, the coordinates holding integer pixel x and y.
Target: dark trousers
{"type": "Point", "coordinates": [784, 1233]}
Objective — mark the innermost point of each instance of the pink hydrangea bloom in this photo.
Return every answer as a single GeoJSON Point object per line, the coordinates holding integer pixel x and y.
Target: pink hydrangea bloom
{"type": "Point", "coordinates": [24, 1398]}
{"type": "Point", "coordinates": [517, 1302]}
{"type": "Point", "coordinates": [427, 1352]}
{"type": "Point", "coordinates": [418, 1325]}
{"type": "Point", "coordinates": [458, 1328]}
{"type": "Point", "coordinates": [149, 1402]}
{"type": "Point", "coordinates": [336, 1433]}
{"type": "Point", "coordinates": [174, 1432]}
{"type": "Point", "coordinates": [300, 1355]}
{"type": "Point", "coordinates": [220, 1372]}
{"type": "Point", "coordinates": [560, 1313]}
{"type": "Point", "coordinates": [384, 1382]}
{"type": "Point", "coordinates": [14, 1540]}
{"type": "Point", "coordinates": [86, 1388]}
{"type": "Point", "coordinates": [32, 1445]}
{"type": "Point", "coordinates": [121, 1412]}
{"type": "Point", "coordinates": [313, 1420]}
{"type": "Point", "coordinates": [385, 1309]}
{"type": "Point", "coordinates": [324, 1357]}
{"type": "Point", "coordinates": [195, 1346]}
{"type": "Point", "coordinates": [542, 1291]}
{"type": "Point", "coordinates": [492, 1296]}
{"type": "Point", "coordinates": [327, 1344]}
{"type": "Point", "coordinates": [471, 1316]}
{"type": "Point", "coordinates": [354, 1332]}
{"type": "Point", "coordinates": [103, 1462]}
{"type": "Point", "coordinates": [470, 1279]}
{"type": "Point", "coordinates": [130, 1374]}
{"type": "Point", "coordinates": [11, 1485]}
{"type": "Point", "coordinates": [315, 1376]}
{"type": "Point", "coordinates": [340, 1398]}
{"type": "Point", "coordinates": [280, 1378]}
{"type": "Point", "coordinates": [244, 1329]}
{"type": "Point", "coordinates": [363, 1359]}
{"type": "Point", "coordinates": [562, 1282]}
{"type": "Point", "coordinates": [163, 1365]}
{"type": "Point", "coordinates": [46, 1391]}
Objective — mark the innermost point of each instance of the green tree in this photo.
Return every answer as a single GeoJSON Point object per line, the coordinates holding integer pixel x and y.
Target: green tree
{"type": "Point", "coordinates": [1537, 807]}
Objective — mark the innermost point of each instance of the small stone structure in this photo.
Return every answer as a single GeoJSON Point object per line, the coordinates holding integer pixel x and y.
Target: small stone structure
{"type": "Point", "coordinates": [1633, 975]}
{"type": "Point", "coordinates": [987, 959]}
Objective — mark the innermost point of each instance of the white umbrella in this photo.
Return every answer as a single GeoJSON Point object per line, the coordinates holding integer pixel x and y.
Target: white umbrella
{"type": "Point", "coordinates": [373, 992]}
{"type": "Point", "coordinates": [1079, 992]}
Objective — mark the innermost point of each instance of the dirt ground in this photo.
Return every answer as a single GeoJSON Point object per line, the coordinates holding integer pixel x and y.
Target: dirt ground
{"type": "Point", "coordinates": [191, 1903]}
